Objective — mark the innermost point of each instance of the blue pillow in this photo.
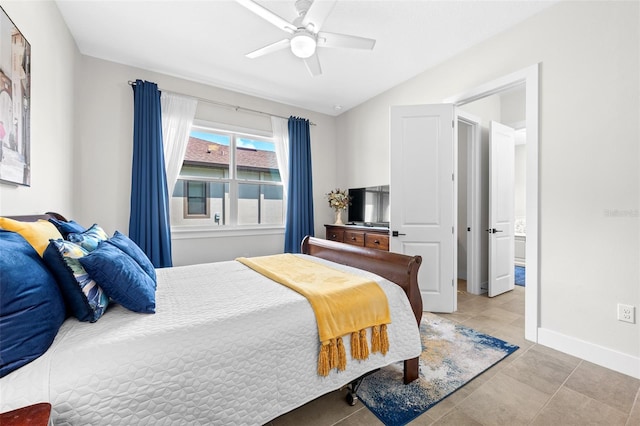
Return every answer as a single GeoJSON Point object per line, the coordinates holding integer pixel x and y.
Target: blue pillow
{"type": "Point", "coordinates": [84, 298]}
{"type": "Point", "coordinates": [125, 244]}
{"type": "Point", "coordinates": [121, 278]}
{"type": "Point", "coordinates": [31, 306]}
{"type": "Point", "coordinates": [90, 238]}
{"type": "Point", "coordinates": [65, 228]}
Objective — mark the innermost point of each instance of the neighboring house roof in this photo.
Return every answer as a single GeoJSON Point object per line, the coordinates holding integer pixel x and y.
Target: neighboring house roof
{"type": "Point", "coordinates": [202, 152]}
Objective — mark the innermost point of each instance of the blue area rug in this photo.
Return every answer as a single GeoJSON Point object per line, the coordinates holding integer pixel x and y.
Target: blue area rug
{"type": "Point", "coordinates": [452, 355]}
{"type": "Point", "coordinates": [519, 276]}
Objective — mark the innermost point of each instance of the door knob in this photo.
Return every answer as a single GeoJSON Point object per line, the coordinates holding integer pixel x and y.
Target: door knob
{"type": "Point", "coordinates": [492, 230]}
{"type": "Point", "coordinates": [396, 233]}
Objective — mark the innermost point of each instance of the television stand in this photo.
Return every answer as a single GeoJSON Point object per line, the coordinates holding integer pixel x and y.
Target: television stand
{"type": "Point", "coordinates": [358, 235]}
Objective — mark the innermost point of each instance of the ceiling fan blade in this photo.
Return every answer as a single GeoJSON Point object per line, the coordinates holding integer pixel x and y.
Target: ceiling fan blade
{"type": "Point", "coordinates": [317, 13]}
{"type": "Point", "coordinates": [313, 65]}
{"type": "Point", "coordinates": [273, 47]}
{"type": "Point", "coordinates": [268, 15]}
{"type": "Point", "coordinates": [343, 40]}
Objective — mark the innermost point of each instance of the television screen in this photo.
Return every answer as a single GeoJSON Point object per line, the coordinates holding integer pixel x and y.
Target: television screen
{"type": "Point", "coordinates": [369, 206]}
{"type": "Point", "coordinates": [356, 208]}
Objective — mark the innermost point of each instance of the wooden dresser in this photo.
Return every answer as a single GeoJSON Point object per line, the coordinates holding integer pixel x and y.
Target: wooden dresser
{"type": "Point", "coordinates": [364, 236]}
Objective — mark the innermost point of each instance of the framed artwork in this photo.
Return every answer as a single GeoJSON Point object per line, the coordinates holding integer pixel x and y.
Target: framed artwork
{"type": "Point", "coordinates": [15, 104]}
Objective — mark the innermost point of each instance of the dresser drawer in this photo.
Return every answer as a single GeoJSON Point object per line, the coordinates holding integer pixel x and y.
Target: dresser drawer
{"type": "Point", "coordinates": [360, 236]}
{"type": "Point", "coordinates": [354, 237]}
{"type": "Point", "coordinates": [377, 241]}
{"type": "Point", "coordinates": [335, 234]}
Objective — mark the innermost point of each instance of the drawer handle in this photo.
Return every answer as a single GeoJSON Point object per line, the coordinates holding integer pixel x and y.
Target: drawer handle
{"type": "Point", "coordinates": [376, 242]}
{"type": "Point", "coordinates": [333, 235]}
{"type": "Point", "coordinates": [353, 238]}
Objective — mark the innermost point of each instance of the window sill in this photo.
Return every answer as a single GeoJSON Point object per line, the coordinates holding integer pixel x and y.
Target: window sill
{"type": "Point", "coordinates": [190, 232]}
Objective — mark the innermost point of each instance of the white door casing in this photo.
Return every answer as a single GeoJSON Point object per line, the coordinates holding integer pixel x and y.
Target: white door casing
{"type": "Point", "coordinates": [476, 234]}
{"type": "Point", "coordinates": [501, 208]}
{"type": "Point", "coordinates": [423, 197]}
{"type": "Point", "coordinates": [528, 76]}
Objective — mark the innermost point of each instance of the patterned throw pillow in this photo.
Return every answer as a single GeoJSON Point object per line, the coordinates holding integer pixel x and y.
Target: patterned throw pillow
{"type": "Point", "coordinates": [90, 238]}
{"type": "Point", "coordinates": [83, 296]}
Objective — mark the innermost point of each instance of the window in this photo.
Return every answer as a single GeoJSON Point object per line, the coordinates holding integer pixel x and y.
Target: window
{"type": "Point", "coordinates": [228, 179]}
{"type": "Point", "coordinates": [195, 200]}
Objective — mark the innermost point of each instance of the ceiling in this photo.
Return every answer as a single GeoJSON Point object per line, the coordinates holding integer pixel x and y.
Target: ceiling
{"type": "Point", "coordinates": [206, 40]}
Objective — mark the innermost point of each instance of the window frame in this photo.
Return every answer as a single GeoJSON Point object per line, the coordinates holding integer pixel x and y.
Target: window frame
{"type": "Point", "coordinates": [185, 202]}
{"type": "Point", "coordinates": [234, 133]}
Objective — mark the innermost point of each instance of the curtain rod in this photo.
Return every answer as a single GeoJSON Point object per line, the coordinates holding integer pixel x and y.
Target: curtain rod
{"type": "Point", "coordinates": [224, 104]}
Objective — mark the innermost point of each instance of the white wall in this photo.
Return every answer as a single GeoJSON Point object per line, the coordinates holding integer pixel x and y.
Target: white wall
{"type": "Point", "coordinates": [512, 113]}
{"type": "Point", "coordinates": [81, 138]}
{"type": "Point", "coordinates": [53, 54]}
{"type": "Point", "coordinates": [589, 160]}
{"type": "Point", "coordinates": [520, 181]}
{"type": "Point", "coordinates": [104, 129]}
{"type": "Point", "coordinates": [589, 104]}
{"type": "Point", "coordinates": [512, 108]}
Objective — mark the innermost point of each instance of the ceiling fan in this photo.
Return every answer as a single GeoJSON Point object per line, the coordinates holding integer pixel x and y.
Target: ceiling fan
{"type": "Point", "coordinates": [305, 35]}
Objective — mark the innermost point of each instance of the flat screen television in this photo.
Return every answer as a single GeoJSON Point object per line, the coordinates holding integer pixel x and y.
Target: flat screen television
{"type": "Point", "coordinates": [369, 206]}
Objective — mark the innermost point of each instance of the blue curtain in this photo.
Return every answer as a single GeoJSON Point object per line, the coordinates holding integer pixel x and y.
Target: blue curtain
{"type": "Point", "coordinates": [300, 195]}
{"type": "Point", "coordinates": [149, 219]}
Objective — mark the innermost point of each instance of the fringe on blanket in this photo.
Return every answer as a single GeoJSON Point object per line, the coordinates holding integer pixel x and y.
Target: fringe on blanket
{"type": "Point", "coordinates": [333, 355]}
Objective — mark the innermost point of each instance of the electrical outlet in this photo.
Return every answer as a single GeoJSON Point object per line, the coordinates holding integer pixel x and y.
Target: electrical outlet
{"type": "Point", "coordinates": [626, 313]}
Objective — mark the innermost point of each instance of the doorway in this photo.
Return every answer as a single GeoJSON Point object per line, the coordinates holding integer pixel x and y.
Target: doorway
{"type": "Point", "coordinates": [494, 118]}
{"type": "Point", "coordinates": [528, 78]}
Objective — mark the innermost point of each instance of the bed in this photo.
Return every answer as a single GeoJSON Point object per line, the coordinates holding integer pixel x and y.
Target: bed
{"type": "Point", "coordinates": [225, 346]}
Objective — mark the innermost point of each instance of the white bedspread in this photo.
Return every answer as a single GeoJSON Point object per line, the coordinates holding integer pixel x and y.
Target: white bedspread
{"type": "Point", "coordinates": [225, 346]}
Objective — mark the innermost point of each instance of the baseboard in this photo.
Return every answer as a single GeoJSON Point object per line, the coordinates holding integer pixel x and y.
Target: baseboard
{"type": "Point", "coordinates": [605, 357]}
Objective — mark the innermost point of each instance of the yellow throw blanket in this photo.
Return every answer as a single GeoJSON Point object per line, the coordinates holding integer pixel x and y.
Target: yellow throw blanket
{"type": "Point", "coordinates": [343, 304]}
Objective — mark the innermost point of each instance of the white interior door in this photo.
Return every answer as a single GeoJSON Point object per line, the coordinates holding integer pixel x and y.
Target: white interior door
{"type": "Point", "coordinates": [423, 197]}
{"type": "Point", "coordinates": [501, 208]}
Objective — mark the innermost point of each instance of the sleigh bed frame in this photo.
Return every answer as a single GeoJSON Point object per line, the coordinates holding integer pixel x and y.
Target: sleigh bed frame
{"type": "Point", "coordinates": [400, 269]}
{"type": "Point", "coordinates": [397, 268]}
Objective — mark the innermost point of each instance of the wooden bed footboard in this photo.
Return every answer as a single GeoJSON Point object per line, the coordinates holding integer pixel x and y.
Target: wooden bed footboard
{"type": "Point", "coordinates": [397, 268]}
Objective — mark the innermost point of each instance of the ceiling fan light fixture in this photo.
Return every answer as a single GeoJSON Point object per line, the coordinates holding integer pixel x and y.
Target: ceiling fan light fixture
{"type": "Point", "coordinates": [303, 44]}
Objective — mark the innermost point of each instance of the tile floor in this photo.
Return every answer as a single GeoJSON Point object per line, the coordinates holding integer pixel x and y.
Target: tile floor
{"type": "Point", "coordinates": [533, 386]}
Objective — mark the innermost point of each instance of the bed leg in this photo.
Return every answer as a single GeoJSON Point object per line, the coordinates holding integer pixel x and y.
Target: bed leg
{"type": "Point", "coordinates": [352, 388]}
{"type": "Point", "coordinates": [411, 369]}
{"type": "Point", "coordinates": [352, 396]}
